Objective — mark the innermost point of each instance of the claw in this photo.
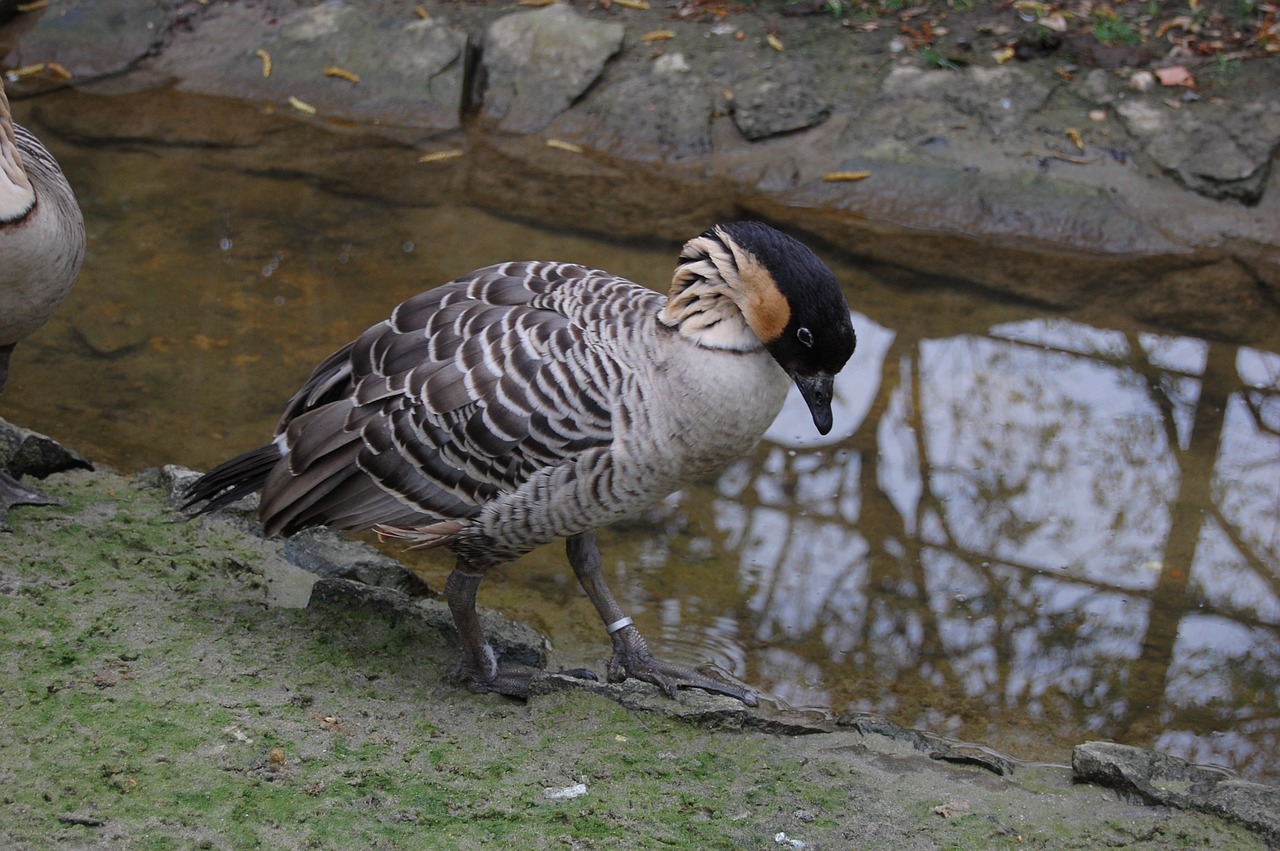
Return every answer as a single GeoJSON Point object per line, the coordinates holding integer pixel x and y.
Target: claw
{"type": "Point", "coordinates": [631, 658]}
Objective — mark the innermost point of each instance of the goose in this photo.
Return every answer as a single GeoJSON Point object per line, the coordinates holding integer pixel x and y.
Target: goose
{"type": "Point", "coordinates": [41, 249]}
{"type": "Point", "coordinates": [530, 402]}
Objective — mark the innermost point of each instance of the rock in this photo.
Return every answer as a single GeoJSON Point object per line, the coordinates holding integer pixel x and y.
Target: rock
{"type": "Point", "coordinates": [327, 554]}
{"type": "Point", "coordinates": [695, 706]}
{"type": "Point", "coordinates": [917, 102]}
{"type": "Point", "coordinates": [536, 64]}
{"type": "Point", "coordinates": [91, 38]}
{"type": "Point", "coordinates": [1168, 781]}
{"type": "Point", "coordinates": [409, 74]}
{"type": "Point", "coordinates": [28, 453]}
{"type": "Point", "coordinates": [779, 100]}
{"type": "Point", "coordinates": [1221, 150]}
{"type": "Point", "coordinates": [650, 118]}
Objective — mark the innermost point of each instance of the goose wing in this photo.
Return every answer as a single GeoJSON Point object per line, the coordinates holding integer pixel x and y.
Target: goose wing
{"type": "Point", "coordinates": [460, 396]}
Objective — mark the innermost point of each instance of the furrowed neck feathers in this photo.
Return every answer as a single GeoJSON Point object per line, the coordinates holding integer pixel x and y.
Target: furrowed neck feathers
{"type": "Point", "coordinates": [723, 297]}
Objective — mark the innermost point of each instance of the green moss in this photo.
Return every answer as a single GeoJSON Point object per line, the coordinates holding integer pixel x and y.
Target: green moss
{"type": "Point", "coordinates": [148, 686]}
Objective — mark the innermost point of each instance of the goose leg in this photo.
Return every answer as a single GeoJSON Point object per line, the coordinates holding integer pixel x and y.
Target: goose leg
{"type": "Point", "coordinates": [480, 669]}
{"type": "Point", "coordinates": [631, 656]}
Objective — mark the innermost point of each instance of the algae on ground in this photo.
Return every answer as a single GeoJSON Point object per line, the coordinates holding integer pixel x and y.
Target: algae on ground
{"type": "Point", "coordinates": [159, 691]}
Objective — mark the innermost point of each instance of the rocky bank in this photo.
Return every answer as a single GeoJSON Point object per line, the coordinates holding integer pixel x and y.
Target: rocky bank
{"type": "Point", "coordinates": [1071, 178]}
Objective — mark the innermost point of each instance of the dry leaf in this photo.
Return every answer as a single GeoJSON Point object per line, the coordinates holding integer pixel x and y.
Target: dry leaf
{"type": "Point", "coordinates": [341, 73]}
{"type": "Point", "coordinates": [1003, 55]}
{"type": "Point", "coordinates": [1074, 135]}
{"type": "Point", "coordinates": [633, 4]}
{"type": "Point", "coordinates": [658, 35]}
{"type": "Point", "coordinates": [25, 71]}
{"type": "Point", "coordinates": [845, 176]}
{"type": "Point", "coordinates": [773, 41]}
{"type": "Point", "coordinates": [437, 156]}
{"type": "Point", "coordinates": [301, 105]}
{"type": "Point", "coordinates": [1175, 75]}
{"type": "Point", "coordinates": [561, 145]}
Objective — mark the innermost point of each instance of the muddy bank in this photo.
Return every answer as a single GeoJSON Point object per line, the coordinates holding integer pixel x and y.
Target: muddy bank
{"type": "Point", "coordinates": [1058, 180]}
{"type": "Point", "coordinates": [188, 681]}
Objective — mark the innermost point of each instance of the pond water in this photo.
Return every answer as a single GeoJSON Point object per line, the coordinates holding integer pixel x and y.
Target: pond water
{"type": "Point", "coordinates": [1025, 530]}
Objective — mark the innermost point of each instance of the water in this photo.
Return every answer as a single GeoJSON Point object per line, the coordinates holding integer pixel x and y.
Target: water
{"type": "Point", "coordinates": [1026, 530]}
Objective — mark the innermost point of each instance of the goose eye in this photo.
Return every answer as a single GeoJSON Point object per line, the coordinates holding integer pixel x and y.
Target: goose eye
{"type": "Point", "coordinates": [805, 337]}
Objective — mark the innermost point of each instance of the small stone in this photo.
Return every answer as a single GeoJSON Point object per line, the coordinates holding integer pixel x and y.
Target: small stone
{"type": "Point", "coordinates": [1142, 81]}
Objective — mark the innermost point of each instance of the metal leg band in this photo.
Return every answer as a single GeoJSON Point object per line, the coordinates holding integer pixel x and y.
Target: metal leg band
{"type": "Point", "coordinates": [620, 623]}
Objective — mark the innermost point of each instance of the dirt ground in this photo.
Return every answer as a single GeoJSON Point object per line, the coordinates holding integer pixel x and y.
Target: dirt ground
{"type": "Point", "coordinates": [167, 685]}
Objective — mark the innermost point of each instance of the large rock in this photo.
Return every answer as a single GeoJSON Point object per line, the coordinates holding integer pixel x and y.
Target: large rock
{"type": "Point", "coordinates": [410, 73]}
{"type": "Point", "coordinates": [1166, 780]}
{"type": "Point", "coordinates": [662, 116]}
{"type": "Point", "coordinates": [1221, 150]}
{"type": "Point", "coordinates": [28, 453]}
{"type": "Point", "coordinates": [92, 38]}
{"type": "Point", "coordinates": [778, 100]}
{"type": "Point", "coordinates": [536, 64]}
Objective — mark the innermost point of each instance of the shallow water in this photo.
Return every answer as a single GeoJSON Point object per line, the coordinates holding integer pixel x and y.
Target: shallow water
{"type": "Point", "coordinates": [1025, 530]}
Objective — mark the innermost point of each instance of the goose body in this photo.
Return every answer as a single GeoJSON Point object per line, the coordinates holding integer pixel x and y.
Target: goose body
{"type": "Point", "coordinates": [529, 402]}
{"type": "Point", "coordinates": [42, 244]}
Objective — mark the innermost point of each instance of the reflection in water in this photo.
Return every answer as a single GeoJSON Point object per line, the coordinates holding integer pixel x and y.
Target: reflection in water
{"type": "Point", "coordinates": [1024, 531]}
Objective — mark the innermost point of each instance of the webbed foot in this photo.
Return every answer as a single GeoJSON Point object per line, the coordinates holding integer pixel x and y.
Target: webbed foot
{"type": "Point", "coordinates": [631, 658]}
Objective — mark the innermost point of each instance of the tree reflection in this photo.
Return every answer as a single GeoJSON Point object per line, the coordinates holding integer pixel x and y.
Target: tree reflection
{"type": "Point", "coordinates": [1046, 531]}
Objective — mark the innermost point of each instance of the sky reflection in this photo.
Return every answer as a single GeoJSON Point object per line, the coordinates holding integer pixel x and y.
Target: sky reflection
{"type": "Point", "coordinates": [1051, 520]}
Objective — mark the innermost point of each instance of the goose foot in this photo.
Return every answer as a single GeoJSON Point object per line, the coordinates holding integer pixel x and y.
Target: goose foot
{"type": "Point", "coordinates": [13, 492]}
{"type": "Point", "coordinates": [509, 680]}
{"type": "Point", "coordinates": [631, 656]}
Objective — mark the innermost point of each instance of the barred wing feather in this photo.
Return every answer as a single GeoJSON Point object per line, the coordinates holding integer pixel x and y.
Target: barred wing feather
{"type": "Point", "coordinates": [459, 397]}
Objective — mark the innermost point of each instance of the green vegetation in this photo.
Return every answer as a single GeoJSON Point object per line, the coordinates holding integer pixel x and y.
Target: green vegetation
{"type": "Point", "coordinates": [155, 700]}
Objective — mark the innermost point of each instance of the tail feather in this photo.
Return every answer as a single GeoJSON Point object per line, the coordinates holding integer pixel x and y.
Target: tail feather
{"type": "Point", "coordinates": [233, 480]}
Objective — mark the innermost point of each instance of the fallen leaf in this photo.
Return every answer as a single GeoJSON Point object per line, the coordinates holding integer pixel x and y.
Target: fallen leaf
{"type": "Point", "coordinates": [1056, 22]}
{"type": "Point", "coordinates": [1003, 55]}
{"type": "Point", "coordinates": [845, 176]}
{"type": "Point", "coordinates": [773, 41]}
{"type": "Point", "coordinates": [561, 145]}
{"type": "Point", "coordinates": [1175, 75]}
{"type": "Point", "coordinates": [1074, 135]}
{"type": "Point", "coordinates": [341, 73]}
{"type": "Point", "coordinates": [437, 156]}
{"type": "Point", "coordinates": [658, 35]}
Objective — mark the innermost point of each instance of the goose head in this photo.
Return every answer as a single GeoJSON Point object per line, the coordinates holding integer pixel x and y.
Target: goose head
{"type": "Point", "coordinates": [746, 285]}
